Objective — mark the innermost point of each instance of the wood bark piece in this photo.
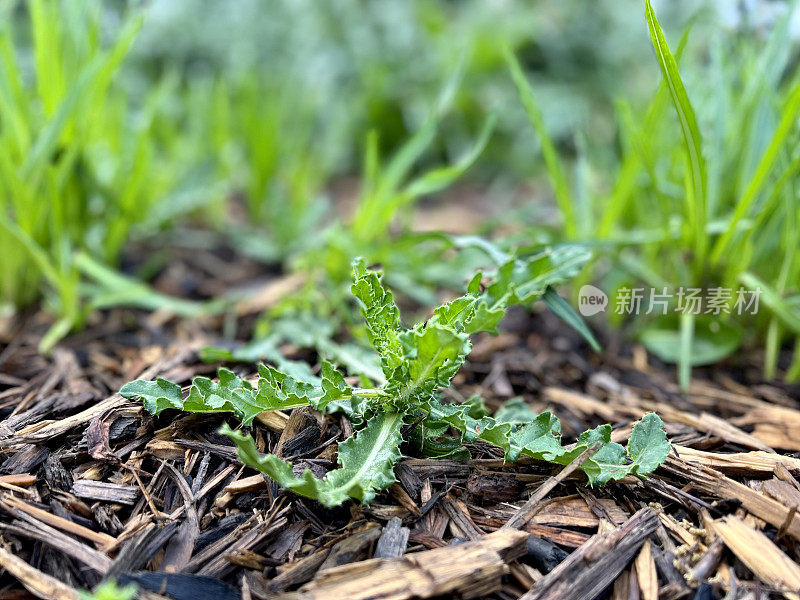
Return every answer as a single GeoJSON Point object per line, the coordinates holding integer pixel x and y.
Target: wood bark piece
{"type": "Point", "coordinates": [36, 582]}
{"type": "Point", "coordinates": [180, 547]}
{"type": "Point", "coordinates": [749, 464]}
{"type": "Point", "coordinates": [35, 529]}
{"type": "Point", "coordinates": [12, 504]}
{"type": "Point", "coordinates": [783, 492]}
{"type": "Point", "coordinates": [760, 555]}
{"type": "Point", "coordinates": [706, 566]}
{"type": "Point", "coordinates": [646, 574]}
{"type": "Point", "coordinates": [459, 516]}
{"type": "Point", "coordinates": [138, 551]}
{"type": "Point", "coordinates": [533, 505]}
{"type": "Point", "coordinates": [774, 425]}
{"type": "Point", "coordinates": [351, 548]}
{"type": "Point", "coordinates": [212, 561]}
{"type": "Point", "coordinates": [471, 569]}
{"type": "Point", "coordinates": [44, 430]}
{"type": "Point", "coordinates": [715, 483]}
{"type": "Point", "coordinates": [18, 480]}
{"type": "Point", "coordinates": [273, 419]}
{"type": "Point", "coordinates": [596, 564]}
{"type": "Point", "coordinates": [105, 492]}
{"type": "Point", "coordinates": [393, 540]}
{"type": "Point", "coordinates": [300, 572]}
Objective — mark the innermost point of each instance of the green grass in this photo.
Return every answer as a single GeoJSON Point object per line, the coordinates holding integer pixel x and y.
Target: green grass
{"type": "Point", "coordinates": [80, 166]}
{"type": "Point", "coordinates": [701, 197]}
{"type": "Point", "coordinates": [103, 140]}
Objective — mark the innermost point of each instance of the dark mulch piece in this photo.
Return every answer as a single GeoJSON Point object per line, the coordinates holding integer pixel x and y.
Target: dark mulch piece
{"type": "Point", "coordinates": [92, 487]}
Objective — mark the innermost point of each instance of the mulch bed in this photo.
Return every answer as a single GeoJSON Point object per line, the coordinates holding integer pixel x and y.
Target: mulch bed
{"type": "Point", "coordinates": [92, 487]}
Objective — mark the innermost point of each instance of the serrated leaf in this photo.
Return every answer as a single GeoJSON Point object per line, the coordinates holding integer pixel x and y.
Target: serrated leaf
{"type": "Point", "coordinates": [381, 315]}
{"type": "Point", "coordinates": [367, 461]}
{"type": "Point", "coordinates": [485, 428]}
{"type": "Point", "coordinates": [275, 391]}
{"type": "Point", "coordinates": [515, 411]}
{"type": "Point", "coordinates": [608, 463]}
{"type": "Point", "coordinates": [432, 355]}
{"type": "Point", "coordinates": [540, 438]}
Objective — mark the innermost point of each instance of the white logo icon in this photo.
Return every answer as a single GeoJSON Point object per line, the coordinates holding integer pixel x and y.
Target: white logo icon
{"type": "Point", "coordinates": [591, 300]}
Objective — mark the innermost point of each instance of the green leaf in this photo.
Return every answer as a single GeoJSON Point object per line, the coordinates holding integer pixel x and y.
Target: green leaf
{"type": "Point", "coordinates": [540, 438]}
{"type": "Point", "coordinates": [432, 356]}
{"type": "Point", "coordinates": [765, 165]}
{"type": "Point", "coordinates": [608, 463]}
{"type": "Point", "coordinates": [109, 590]}
{"type": "Point", "coordinates": [648, 446]}
{"type": "Point", "coordinates": [458, 416]}
{"type": "Point", "coordinates": [783, 311]}
{"type": "Point", "coordinates": [367, 461]}
{"type": "Point", "coordinates": [275, 391]}
{"type": "Point", "coordinates": [522, 280]}
{"type": "Point", "coordinates": [712, 340]}
{"type": "Point", "coordinates": [516, 411]}
{"type": "Point", "coordinates": [157, 395]}
{"type": "Point", "coordinates": [381, 315]}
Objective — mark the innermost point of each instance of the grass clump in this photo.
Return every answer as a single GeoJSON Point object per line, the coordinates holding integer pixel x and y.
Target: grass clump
{"type": "Point", "coordinates": [80, 165]}
{"type": "Point", "coordinates": [704, 197]}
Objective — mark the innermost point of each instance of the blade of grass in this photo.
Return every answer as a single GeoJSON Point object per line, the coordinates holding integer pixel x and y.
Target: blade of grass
{"type": "Point", "coordinates": [787, 124]}
{"type": "Point", "coordinates": [773, 300]}
{"type": "Point", "coordinates": [685, 352]}
{"type": "Point", "coordinates": [696, 166]}
{"type": "Point", "coordinates": [116, 289]}
{"type": "Point", "coordinates": [563, 310]}
{"type": "Point", "coordinates": [555, 168]}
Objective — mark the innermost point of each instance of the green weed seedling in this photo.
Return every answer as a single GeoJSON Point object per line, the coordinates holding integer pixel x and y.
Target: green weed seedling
{"type": "Point", "coordinates": [416, 363]}
{"type": "Point", "coordinates": [420, 263]}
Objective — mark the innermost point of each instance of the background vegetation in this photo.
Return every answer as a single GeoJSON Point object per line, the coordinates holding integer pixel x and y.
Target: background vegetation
{"type": "Point", "coordinates": [123, 122]}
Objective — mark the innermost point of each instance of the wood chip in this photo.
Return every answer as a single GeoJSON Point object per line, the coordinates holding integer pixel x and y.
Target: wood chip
{"type": "Point", "coordinates": [596, 564]}
{"type": "Point", "coordinates": [36, 582]}
{"type": "Point", "coordinates": [715, 483]}
{"type": "Point", "coordinates": [393, 540]}
{"type": "Point", "coordinates": [471, 569]}
{"type": "Point", "coordinates": [10, 503]}
{"type": "Point", "coordinates": [646, 575]}
{"type": "Point", "coordinates": [769, 563]}
{"type": "Point", "coordinates": [106, 492]}
{"type": "Point", "coordinates": [751, 464]}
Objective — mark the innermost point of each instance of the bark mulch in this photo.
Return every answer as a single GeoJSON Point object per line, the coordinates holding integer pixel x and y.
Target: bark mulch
{"type": "Point", "coordinates": [92, 487]}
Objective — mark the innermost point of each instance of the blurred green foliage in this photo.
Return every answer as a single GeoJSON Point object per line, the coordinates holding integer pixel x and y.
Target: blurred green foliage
{"type": "Point", "coordinates": [702, 192]}
{"type": "Point", "coordinates": [119, 119]}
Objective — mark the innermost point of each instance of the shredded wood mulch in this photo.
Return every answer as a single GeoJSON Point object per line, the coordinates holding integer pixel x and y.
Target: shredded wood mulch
{"type": "Point", "coordinates": [92, 487]}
